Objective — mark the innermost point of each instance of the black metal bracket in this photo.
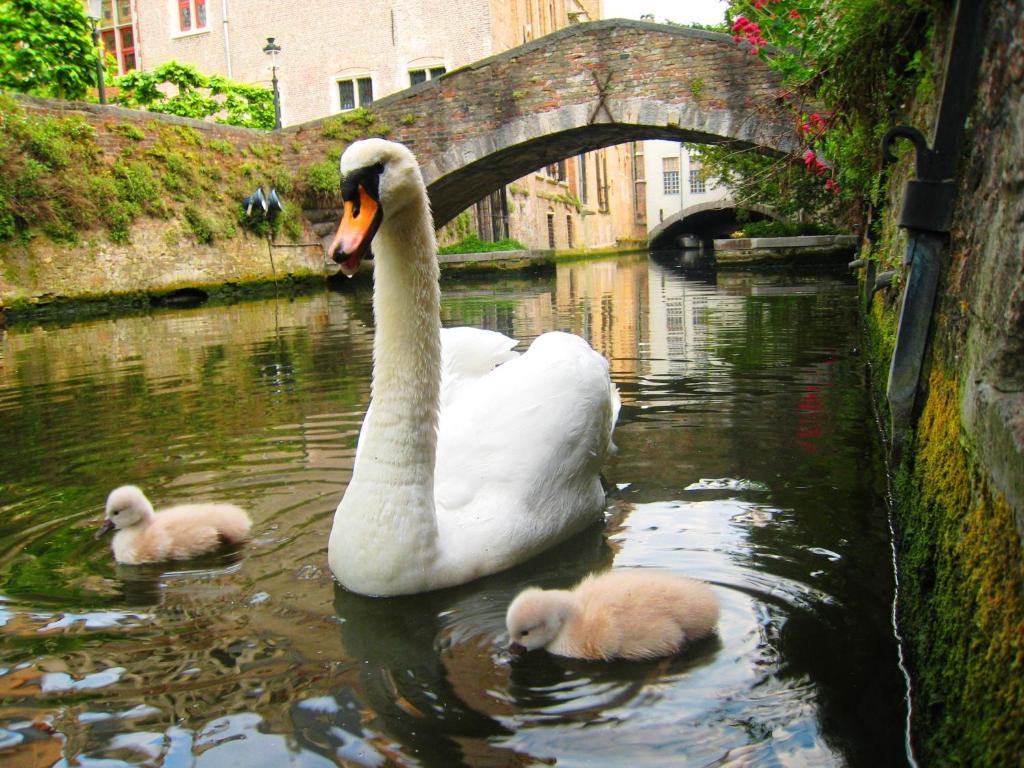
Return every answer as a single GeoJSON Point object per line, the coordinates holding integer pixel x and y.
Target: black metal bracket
{"type": "Point", "coordinates": [927, 201]}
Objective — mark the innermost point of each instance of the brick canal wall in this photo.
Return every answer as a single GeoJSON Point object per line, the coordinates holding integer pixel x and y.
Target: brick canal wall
{"type": "Point", "coordinates": [958, 497]}
{"type": "Point", "coordinates": [215, 165]}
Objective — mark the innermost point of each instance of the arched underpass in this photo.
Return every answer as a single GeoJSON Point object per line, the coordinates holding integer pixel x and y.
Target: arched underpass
{"type": "Point", "coordinates": [704, 222]}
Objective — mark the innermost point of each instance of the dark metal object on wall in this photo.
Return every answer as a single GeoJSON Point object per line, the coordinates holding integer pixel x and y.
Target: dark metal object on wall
{"type": "Point", "coordinates": [927, 215]}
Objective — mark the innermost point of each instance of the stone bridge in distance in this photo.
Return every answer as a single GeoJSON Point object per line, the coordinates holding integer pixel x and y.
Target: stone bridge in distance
{"type": "Point", "coordinates": [579, 89]}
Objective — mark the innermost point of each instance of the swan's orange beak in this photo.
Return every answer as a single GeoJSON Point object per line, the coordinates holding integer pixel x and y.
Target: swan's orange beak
{"type": "Point", "coordinates": [358, 225]}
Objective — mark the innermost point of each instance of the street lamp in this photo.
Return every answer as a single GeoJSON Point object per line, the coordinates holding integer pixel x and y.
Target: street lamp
{"type": "Point", "coordinates": [95, 14]}
{"type": "Point", "coordinates": [272, 49]}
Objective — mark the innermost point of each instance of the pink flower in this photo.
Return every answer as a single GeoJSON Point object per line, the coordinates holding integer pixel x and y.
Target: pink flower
{"type": "Point", "coordinates": [794, 13]}
{"type": "Point", "coordinates": [805, 128]}
{"type": "Point", "coordinates": [754, 51]}
{"type": "Point", "coordinates": [759, 4]}
{"type": "Point", "coordinates": [817, 119]}
{"type": "Point", "coordinates": [809, 158]}
{"type": "Point", "coordinates": [740, 23]}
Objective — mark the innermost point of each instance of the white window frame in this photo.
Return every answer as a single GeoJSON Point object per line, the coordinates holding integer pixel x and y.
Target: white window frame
{"type": "Point", "coordinates": [428, 72]}
{"type": "Point", "coordinates": [177, 31]}
{"type": "Point", "coordinates": [671, 176]}
{"type": "Point", "coordinates": [355, 76]}
{"type": "Point", "coordinates": [697, 184]}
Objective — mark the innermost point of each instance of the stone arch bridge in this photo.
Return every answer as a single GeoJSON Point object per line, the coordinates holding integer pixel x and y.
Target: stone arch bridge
{"type": "Point", "coordinates": [706, 221]}
{"type": "Point", "coordinates": [579, 89]}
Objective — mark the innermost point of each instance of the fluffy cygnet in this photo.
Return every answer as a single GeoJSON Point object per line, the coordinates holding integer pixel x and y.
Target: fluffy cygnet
{"type": "Point", "coordinates": [627, 614]}
{"type": "Point", "coordinates": [176, 533]}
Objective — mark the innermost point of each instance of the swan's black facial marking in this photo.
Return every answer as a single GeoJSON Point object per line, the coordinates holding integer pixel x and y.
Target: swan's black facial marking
{"type": "Point", "coordinates": [368, 178]}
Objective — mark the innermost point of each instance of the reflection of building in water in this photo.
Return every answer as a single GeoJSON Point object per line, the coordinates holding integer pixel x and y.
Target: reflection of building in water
{"type": "Point", "coordinates": [678, 323]}
{"type": "Point", "coordinates": [606, 303]}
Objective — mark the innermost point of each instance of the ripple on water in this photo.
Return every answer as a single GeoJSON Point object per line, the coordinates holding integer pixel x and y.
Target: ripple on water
{"type": "Point", "coordinates": [731, 426]}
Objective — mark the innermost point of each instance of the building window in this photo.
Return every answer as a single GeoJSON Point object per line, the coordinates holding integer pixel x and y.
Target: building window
{"type": "Point", "coordinates": [551, 230]}
{"type": "Point", "coordinates": [492, 216]}
{"type": "Point", "coordinates": [601, 164]}
{"type": "Point", "coordinates": [583, 178]}
{"type": "Point", "coordinates": [556, 171]}
{"type": "Point", "coordinates": [568, 229]}
{"type": "Point", "coordinates": [118, 34]}
{"type": "Point", "coordinates": [417, 76]}
{"type": "Point", "coordinates": [696, 178]}
{"type": "Point", "coordinates": [355, 92]}
{"type": "Point", "coordinates": [639, 184]}
{"type": "Point", "coordinates": [670, 175]}
{"type": "Point", "coordinates": [191, 15]}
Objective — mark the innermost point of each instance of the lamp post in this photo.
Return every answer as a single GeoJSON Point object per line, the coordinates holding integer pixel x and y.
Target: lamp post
{"type": "Point", "coordinates": [95, 14]}
{"type": "Point", "coordinates": [272, 49]}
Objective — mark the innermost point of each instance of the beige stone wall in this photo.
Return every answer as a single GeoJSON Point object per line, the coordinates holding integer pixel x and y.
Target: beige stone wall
{"type": "Point", "coordinates": [156, 260]}
{"type": "Point", "coordinates": [321, 40]}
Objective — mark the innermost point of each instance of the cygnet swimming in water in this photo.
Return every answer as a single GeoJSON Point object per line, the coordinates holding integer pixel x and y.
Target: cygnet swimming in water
{"type": "Point", "coordinates": [619, 614]}
{"type": "Point", "coordinates": [175, 533]}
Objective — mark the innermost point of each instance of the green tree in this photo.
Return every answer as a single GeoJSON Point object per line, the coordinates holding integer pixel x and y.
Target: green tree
{"type": "Point", "coordinates": [197, 95]}
{"type": "Point", "coordinates": [46, 48]}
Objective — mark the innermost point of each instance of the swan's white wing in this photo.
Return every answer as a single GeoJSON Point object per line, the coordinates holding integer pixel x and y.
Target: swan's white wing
{"type": "Point", "coordinates": [466, 355]}
{"type": "Point", "coordinates": [469, 353]}
{"type": "Point", "coordinates": [520, 449]}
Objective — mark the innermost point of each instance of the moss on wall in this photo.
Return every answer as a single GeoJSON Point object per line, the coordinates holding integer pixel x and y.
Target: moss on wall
{"type": "Point", "coordinates": [962, 607]}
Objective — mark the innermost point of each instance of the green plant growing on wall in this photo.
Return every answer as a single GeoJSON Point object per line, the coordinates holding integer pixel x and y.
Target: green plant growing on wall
{"type": "Point", "coordinates": [322, 180]}
{"type": "Point", "coordinates": [696, 87]}
{"type": "Point", "coordinates": [46, 48]}
{"type": "Point", "coordinates": [354, 124]}
{"type": "Point", "coordinates": [201, 227]}
{"type": "Point", "coordinates": [129, 131]}
{"type": "Point", "coordinates": [197, 96]}
{"type": "Point", "coordinates": [818, 48]}
{"type": "Point", "coordinates": [473, 244]}
{"type": "Point", "coordinates": [56, 182]}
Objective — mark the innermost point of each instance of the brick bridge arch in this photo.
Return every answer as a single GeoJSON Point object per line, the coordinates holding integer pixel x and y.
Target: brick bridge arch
{"type": "Point", "coordinates": [715, 216]}
{"type": "Point", "coordinates": [581, 88]}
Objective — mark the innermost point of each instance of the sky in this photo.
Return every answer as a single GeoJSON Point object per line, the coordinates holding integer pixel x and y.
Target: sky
{"type": "Point", "coordinates": [679, 11]}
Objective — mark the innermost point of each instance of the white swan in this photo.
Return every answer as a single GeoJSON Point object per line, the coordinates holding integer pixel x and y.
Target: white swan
{"type": "Point", "coordinates": [471, 458]}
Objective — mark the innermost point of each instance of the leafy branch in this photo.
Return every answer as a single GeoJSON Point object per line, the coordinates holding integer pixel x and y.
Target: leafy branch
{"type": "Point", "coordinates": [197, 95]}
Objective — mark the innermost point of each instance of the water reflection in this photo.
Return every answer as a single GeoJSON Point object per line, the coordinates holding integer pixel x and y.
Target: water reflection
{"type": "Point", "coordinates": [745, 458]}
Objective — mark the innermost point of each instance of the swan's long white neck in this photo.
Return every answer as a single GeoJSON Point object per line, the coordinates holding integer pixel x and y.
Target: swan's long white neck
{"type": "Point", "coordinates": [385, 539]}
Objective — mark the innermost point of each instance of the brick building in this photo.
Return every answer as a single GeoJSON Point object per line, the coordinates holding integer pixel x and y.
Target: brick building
{"type": "Point", "coordinates": [338, 55]}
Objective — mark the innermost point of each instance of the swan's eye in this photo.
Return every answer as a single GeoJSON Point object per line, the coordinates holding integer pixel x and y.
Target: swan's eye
{"type": "Point", "coordinates": [524, 633]}
{"type": "Point", "coordinates": [115, 512]}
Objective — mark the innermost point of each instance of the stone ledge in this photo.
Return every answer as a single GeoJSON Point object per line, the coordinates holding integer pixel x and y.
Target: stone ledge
{"type": "Point", "coordinates": [747, 250]}
{"type": "Point", "coordinates": [492, 257]}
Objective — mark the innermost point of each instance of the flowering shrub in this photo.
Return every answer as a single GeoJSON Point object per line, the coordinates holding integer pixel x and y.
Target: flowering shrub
{"type": "Point", "coordinates": [848, 68]}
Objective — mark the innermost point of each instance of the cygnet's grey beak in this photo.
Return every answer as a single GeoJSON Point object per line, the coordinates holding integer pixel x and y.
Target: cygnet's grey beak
{"type": "Point", "coordinates": [515, 650]}
{"type": "Point", "coordinates": [107, 527]}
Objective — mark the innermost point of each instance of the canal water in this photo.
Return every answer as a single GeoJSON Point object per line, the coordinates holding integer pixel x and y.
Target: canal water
{"type": "Point", "coordinates": [746, 458]}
